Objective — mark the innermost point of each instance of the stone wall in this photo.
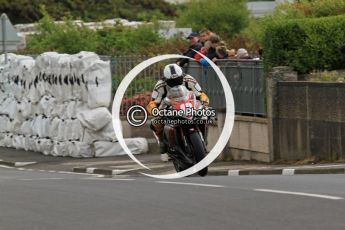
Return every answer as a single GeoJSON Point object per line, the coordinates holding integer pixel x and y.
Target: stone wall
{"type": "Point", "coordinates": [307, 118]}
{"type": "Point", "coordinates": [249, 138]}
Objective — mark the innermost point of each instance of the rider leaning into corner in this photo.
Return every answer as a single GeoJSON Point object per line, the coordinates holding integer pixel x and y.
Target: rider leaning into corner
{"type": "Point", "coordinates": [173, 76]}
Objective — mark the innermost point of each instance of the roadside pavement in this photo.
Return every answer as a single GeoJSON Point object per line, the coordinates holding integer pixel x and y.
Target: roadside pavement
{"type": "Point", "coordinates": [123, 165]}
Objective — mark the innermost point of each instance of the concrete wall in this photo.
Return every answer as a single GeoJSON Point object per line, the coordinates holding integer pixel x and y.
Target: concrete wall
{"type": "Point", "coordinates": [310, 121]}
{"type": "Point", "coordinates": [249, 139]}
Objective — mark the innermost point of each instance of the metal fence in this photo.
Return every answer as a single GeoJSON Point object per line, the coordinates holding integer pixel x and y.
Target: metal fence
{"type": "Point", "coordinates": [246, 80]}
{"type": "Point", "coordinates": [245, 77]}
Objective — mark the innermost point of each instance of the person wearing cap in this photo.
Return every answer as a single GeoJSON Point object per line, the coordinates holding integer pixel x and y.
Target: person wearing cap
{"type": "Point", "coordinates": [195, 45]}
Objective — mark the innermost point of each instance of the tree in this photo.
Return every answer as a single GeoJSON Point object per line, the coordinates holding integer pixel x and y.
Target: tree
{"type": "Point", "coordinates": [23, 11]}
{"type": "Point", "coordinates": [226, 17]}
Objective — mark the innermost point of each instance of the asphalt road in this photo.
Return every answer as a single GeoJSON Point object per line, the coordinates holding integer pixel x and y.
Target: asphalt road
{"type": "Point", "coordinates": [49, 200]}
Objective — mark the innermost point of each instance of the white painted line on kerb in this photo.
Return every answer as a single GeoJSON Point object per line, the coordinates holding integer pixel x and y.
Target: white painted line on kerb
{"type": "Point", "coordinates": [288, 172]}
{"type": "Point", "coordinates": [234, 173]}
{"type": "Point", "coordinates": [194, 184]}
{"type": "Point", "coordinates": [21, 164]}
{"type": "Point", "coordinates": [320, 166]}
{"type": "Point", "coordinates": [90, 170]}
{"type": "Point", "coordinates": [300, 194]}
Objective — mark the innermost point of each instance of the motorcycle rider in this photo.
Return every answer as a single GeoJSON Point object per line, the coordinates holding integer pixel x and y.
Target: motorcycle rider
{"type": "Point", "coordinates": [173, 76]}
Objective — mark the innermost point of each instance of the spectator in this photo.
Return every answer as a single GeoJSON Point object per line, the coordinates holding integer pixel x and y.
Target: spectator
{"type": "Point", "coordinates": [194, 45]}
{"type": "Point", "coordinates": [204, 50]}
{"type": "Point", "coordinates": [204, 35]}
{"type": "Point", "coordinates": [232, 54]}
{"type": "Point", "coordinates": [215, 42]}
{"type": "Point", "coordinates": [221, 52]}
{"type": "Point", "coordinates": [243, 54]}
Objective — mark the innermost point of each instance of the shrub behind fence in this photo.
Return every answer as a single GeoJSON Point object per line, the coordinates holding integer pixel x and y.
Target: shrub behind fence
{"type": "Point", "coordinates": [306, 44]}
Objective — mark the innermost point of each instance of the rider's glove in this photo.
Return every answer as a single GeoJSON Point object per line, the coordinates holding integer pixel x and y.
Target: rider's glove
{"type": "Point", "coordinates": [151, 106]}
{"type": "Point", "coordinates": [204, 98]}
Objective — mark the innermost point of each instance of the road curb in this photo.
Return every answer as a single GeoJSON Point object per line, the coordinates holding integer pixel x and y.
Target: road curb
{"type": "Point", "coordinates": [115, 172]}
{"type": "Point", "coordinates": [108, 172]}
{"type": "Point", "coordinates": [286, 171]}
{"type": "Point", "coordinates": [243, 172]}
{"type": "Point", "coordinates": [16, 164]}
{"type": "Point", "coordinates": [223, 172]}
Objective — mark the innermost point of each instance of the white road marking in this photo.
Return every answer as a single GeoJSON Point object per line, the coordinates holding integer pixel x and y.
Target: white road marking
{"type": "Point", "coordinates": [194, 184]}
{"type": "Point", "coordinates": [288, 172]}
{"type": "Point", "coordinates": [33, 179]}
{"type": "Point", "coordinates": [120, 171]}
{"type": "Point", "coordinates": [6, 167]}
{"type": "Point", "coordinates": [108, 179]}
{"type": "Point", "coordinates": [300, 194]}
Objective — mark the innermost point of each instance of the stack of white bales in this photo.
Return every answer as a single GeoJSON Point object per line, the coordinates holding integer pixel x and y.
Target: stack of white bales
{"type": "Point", "coordinates": [58, 105]}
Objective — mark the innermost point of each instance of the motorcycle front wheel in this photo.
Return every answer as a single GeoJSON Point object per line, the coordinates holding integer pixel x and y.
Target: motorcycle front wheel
{"type": "Point", "coordinates": [199, 150]}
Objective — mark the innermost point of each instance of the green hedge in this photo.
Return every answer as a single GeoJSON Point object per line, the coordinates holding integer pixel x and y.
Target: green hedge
{"type": "Point", "coordinates": [306, 44]}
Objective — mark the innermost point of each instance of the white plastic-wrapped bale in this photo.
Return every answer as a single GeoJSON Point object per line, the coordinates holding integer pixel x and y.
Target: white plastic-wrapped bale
{"type": "Point", "coordinates": [54, 126]}
{"type": "Point", "coordinates": [105, 134]}
{"type": "Point", "coordinates": [46, 145]}
{"type": "Point", "coordinates": [60, 149]}
{"type": "Point", "coordinates": [106, 148]}
{"type": "Point", "coordinates": [2, 139]}
{"type": "Point", "coordinates": [79, 149]}
{"type": "Point", "coordinates": [47, 105]}
{"type": "Point", "coordinates": [3, 123]}
{"type": "Point", "coordinates": [25, 128]}
{"type": "Point", "coordinates": [94, 119]}
{"type": "Point", "coordinates": [98, 77]}
{"type": "Point", "coordinates": [61, 130]}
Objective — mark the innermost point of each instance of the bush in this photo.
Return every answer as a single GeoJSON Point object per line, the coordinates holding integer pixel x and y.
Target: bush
{"type": "Point", "coordinates": [306, 44]}
{"type": "Point", "coordinates": [68, 37]}
{"type": "Point", "coordinates": [20, 11]}
{"type": "Point", "coordinates": [226, 17]}
{"type": "Point", "coordinates": [297, 10]}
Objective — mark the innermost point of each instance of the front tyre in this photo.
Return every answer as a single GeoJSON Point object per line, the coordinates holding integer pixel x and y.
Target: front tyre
{"type": "Point", "coordinates": [180, 166]}
{"type": "Point", "coordinates": [199, 150]}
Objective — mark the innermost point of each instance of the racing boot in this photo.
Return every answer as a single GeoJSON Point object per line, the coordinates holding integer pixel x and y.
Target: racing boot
{"type": "Point", "coordinates": [163, 151]}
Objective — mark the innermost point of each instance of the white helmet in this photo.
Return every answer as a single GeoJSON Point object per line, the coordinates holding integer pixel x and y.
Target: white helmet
{"type": "Point", "coordinates": [173, 75]}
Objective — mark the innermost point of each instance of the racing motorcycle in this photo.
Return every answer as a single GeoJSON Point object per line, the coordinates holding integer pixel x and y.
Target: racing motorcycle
{"type": "Point", "coordinates": [185, 128]}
